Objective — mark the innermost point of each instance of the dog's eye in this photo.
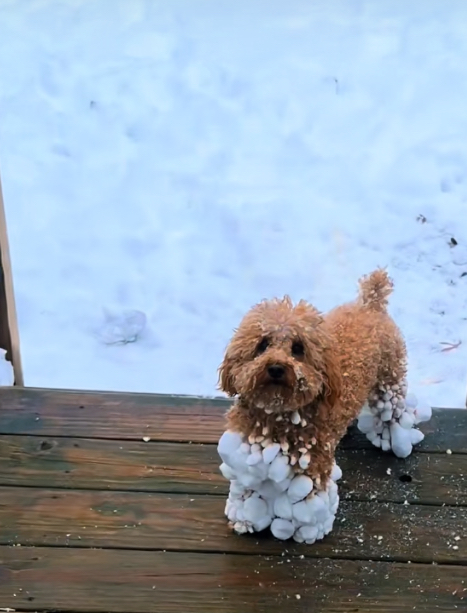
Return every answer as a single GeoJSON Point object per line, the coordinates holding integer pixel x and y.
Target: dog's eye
{"type": "Point", "coordinates": [262, 346]}
{"type": "Point", "coordinates": [298, 350]}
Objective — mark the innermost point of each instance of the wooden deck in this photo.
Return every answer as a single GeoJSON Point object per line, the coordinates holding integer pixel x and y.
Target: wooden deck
{"type": "Point", "coordinates": [95, 519]}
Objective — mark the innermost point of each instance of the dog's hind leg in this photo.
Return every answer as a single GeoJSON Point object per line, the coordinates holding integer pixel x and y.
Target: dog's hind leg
{"type": "Point", "coordinates": [390, 414]}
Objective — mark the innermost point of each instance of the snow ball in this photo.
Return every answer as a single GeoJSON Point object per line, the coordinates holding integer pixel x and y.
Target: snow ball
{"type": "Point", "coordinates": [227, 471]}
{"type": "Point", "coordinates": [283, 507]}
{"type": "Point", "coordinates": [240, 515]}
{"type": "Point", "coordinates": [318, 508]}
{"type": "Point", "coordinates": [261, 470]}
{"type": "Point", "coordinates": [411, 401]}
{"type": "Point", "coordinates": [422, 413]}
{"type": "Point", "coordinates": [307, 534]}
{"type": "Point", "coordinates": [366, 423]}
{"type": "Point", "coordinates": [282, 486]}
{"type": "Point", "coordinates": [295, 418]}
{"type": "Point", "coordinates": [303, 512]}
{"type": "Point", "coordinates": [237, 460]}
{"type": "Point", "coordinates": [240, 528]}
{"type": "Point", "coordinates": [386, 415]}
{"type": "Point", "coordinates": [254, 509]}
{"type": "Point", "coordinates": [282, 529]}
{"type": "Point", "coordinates": [386, 445]}
{"type": "Point", "coordinates": [329, 523]}
{"type": "Point", "coordinates": [254, 458]}
{"type": "Point", "coordinates": [268, 490]}
{"type": "Point", "coordinates": [270, 452]}
{"type": "Point", "coordinates": [371, 436]}
{"type": "Point", "coordinates": [406, 420]}
{"type": "Point", "coordinates": [279, 469]}
{"type": "Point", "coordinates": [304, 461]}
{"type": "Point", "coordinates": [416, 436]}
{"type": "Point", "coordinates": [263, 523]}
{"type": "Point", "coordinates": [231, 511]}
{"type": "Point", "coordinates": [300, 487]}
{"type": "Point", "coordinates": [324, 497]}
{"type": "Point", "coordinates": [236, 489]}
{"type": "Point", "coordinates": [332, 491]}
{"type": "Point", "coordinates": [229, 443]}
{"type": "Point", "coordinates": [400, 441]}
{"type": "Point", "coordinates": [336, 473]}
{"type": "Point", "coordinates": [248, 480]}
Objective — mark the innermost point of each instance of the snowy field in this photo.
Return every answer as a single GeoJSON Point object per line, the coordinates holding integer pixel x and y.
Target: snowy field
{"type": "Point", "coordinates": [186, 159]}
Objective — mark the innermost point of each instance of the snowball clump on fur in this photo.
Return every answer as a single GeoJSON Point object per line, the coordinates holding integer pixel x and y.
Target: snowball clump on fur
{"type": "Point", "coordinates": [265, 492]}
{"type": "Point", "coordinates": [389, 418]}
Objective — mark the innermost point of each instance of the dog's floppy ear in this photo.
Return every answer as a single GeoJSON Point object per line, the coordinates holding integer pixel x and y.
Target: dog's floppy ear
{"type": "Point", "coordinates": [332, 380]}
{"type": "Point", "coordinates": [226, 378]}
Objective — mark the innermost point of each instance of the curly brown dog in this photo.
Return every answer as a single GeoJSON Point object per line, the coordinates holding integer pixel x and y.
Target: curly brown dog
{"type": "Point", "coordinates": [303, 377]}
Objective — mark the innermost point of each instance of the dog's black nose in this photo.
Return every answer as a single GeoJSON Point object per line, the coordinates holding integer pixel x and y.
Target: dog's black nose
{"type": "Point", "coordinates": [276, 371]}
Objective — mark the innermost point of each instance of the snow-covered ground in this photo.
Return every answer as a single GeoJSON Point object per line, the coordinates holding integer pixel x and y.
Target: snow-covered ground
{"type": "Point", "coordinates": [187, 158]}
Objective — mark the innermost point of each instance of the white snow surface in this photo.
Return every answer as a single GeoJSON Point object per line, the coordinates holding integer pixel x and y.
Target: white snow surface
{"type": "Point", "coordinates": [165, 165]}
{"type": "Point", "coordinates": [7, 375]}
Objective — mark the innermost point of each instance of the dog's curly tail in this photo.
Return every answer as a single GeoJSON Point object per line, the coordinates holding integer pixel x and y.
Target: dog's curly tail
{"type": "Point", "coordinates": [375, 289]}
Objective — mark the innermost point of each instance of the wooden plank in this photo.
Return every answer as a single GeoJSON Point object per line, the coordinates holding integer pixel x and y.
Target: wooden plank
{"type": "Point", "coordinates": [165, 418]}
{"type": "Point", "coordinates": [8, 319]}
{"type": "Point", "coordinates": [111, 415]}
{"type": "Point", "coordinates": [93, 581]}
{"type": "Point", "coordinates": [181, 468]}
{"type": "Point", "coordinates": [124, 520]}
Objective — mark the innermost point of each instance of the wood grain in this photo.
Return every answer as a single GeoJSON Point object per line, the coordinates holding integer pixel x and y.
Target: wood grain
{"type": "Point", "coordinates": [157, 582]}
{"type": "Point", "coordinates": [124, 520]}
{"type": "Point", "coordinates": [181, 468]}
{"type": "Point", "coordinates": [165, 418]}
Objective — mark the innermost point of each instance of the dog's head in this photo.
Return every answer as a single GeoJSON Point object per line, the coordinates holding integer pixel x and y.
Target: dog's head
{"type": "Point", "coordinates": [280, 358]}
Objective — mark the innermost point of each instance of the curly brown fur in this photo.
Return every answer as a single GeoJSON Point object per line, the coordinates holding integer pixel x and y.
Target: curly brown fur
{"type": "Point", "coordinates": [287, 363]}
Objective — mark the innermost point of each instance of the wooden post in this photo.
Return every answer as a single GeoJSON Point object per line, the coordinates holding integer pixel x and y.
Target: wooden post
{"type": "Point", "coordinates": [9, 332]}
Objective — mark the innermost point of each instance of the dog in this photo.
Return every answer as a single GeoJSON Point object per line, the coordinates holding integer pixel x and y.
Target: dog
{"type": "Point", "coordinates": [300, 377]}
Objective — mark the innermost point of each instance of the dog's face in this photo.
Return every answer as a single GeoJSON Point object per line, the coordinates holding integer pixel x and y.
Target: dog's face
{"type": "Point", "coordinates": [279, 357]}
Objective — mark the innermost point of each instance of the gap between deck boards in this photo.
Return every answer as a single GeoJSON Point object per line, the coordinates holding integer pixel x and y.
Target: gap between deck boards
{"type": "Point", "coordinates": [117, 416]}
{"type": "Point", "coordinates": [135, 521]}
{"type": "Point", "coordinates": [71, 463]}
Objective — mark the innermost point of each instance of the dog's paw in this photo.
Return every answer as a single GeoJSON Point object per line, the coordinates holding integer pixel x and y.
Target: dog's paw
{"type": "Point", "coordinates": [265, 492]}
{"type": "Point", "coordinates": [389, 418]}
